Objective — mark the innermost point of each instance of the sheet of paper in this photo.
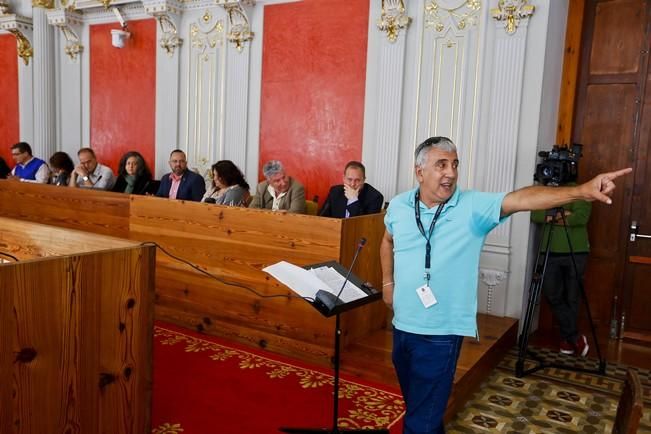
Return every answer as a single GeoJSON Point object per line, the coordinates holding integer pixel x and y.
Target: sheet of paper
{"type": "Point", "coordinates": [300, 280]}
{"type": "Point", "coordinates": [334, 281]}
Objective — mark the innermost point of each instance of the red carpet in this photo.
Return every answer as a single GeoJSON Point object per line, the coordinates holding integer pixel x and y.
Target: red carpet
{"type": "Point", "coordinates": [204, 385]}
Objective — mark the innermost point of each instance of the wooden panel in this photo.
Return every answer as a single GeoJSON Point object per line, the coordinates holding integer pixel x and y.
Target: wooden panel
{"type": "Point", "coordinates": [26, 240]}
{"type": "Point", "coordinates": [236, 244]}
{"type": "Point", "coordinates": [93, 211]}
{"type": "Point", "coordinates": [570, 71]}
{"type": "Point", "coordinates": [615, 51]}
{"type": "Point", "coordinates": [638, 310]}
{"type": "Point", "coordinates": [361, 322]}
{"type": "Point", "coordinates": [76, 343]}
{"type": "Point", "coordinates": [607, 135]}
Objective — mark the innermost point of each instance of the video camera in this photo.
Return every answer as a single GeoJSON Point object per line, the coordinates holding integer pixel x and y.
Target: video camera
{"type": "Point", "coordinates": [559, 166]}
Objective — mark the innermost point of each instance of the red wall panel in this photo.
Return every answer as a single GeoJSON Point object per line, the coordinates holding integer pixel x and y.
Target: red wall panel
{"type": "Point", "coordinates": [10, 123]}
{"type": "Point", "coordinates": [123, 92]}
{"type": "Point", "coordinates": [313, 78]}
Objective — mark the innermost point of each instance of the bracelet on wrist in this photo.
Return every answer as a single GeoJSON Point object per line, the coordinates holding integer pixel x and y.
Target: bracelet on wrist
{"type": "Point", "coordinates": [387, 284]}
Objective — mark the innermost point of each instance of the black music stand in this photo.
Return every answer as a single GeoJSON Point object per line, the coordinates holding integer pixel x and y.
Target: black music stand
{"type": "Point", "coordinates": [339, 307]}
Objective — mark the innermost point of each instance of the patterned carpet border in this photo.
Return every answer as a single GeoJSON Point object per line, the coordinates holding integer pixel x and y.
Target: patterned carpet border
{"type": "Point", "coordinates": [370, 407]}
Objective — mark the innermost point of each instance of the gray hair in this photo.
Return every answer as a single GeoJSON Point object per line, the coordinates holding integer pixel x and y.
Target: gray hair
{"type": "Point", "coordinates": [271, 168]}
{"type": "Point", "coordinates": [440, 143]}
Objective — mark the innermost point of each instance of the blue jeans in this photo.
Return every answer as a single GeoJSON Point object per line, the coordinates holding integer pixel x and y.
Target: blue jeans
{"type": "Point", "coordinates": [425, 365]}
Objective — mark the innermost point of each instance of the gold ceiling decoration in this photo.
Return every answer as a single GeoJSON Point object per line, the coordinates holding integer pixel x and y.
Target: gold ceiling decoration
{"type": "Point", "coordinates": [393, 19]}
{"type": "Point", "coordinates": [443, 14]}
{"type": "Point", "coordinates": [240, 31]}
{"type": "Point", "coordinates": [511, 12]}
{"type": "Point", "coordinates": [73, 45]}
{"type": "Point", "coordinates": [46, 4]}
{"type": "Point", "coordinates": [25, 50]}
{"type": "Point", "coordinates": [169, 40]}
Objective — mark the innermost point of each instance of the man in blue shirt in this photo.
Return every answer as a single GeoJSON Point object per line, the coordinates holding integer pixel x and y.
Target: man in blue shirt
{"type": "Point", "coordinates": [430, 259]}
{"type": "Point", "coordinates": [28, 168]}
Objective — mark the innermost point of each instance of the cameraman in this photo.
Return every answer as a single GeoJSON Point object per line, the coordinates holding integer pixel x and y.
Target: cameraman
{"type": "Point", "coordinates": [560, 283]}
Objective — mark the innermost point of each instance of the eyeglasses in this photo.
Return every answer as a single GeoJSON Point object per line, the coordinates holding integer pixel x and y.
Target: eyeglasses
{"type": "Point", "coordinates": [16, 153]}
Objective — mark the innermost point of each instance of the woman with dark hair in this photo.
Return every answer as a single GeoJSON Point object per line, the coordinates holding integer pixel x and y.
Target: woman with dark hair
{"type": "Point", "coordinates": [62, 166]}
{"type": "Point", "coordinates": [231, 188]}
{"type": "Point", "coordinates": [134, 177]}
{"type": "Point", "coordinates": [4, 169]}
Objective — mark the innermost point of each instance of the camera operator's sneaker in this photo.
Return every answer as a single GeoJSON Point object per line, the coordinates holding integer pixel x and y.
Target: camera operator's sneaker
{"type": "Point", "coordinates": [582, 346]}
{"type": "Point", "coordinates": [566, 348]}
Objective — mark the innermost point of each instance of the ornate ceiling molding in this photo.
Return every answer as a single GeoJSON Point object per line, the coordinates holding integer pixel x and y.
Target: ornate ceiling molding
{"type": "Point", "coordinates": [511, 12]}
{"type": "Point", "coordinates": [442, 15]}
{"type": "Point", "coordinates": [393, 19]}
{"type": "Point", "coordinates": [18, 25]}
{"type": "Point", "coordinates": [67, 20]}
{"type": "Point", "coordinates": [164, 12]}
{"type": "Point", "coordinates": [46, 4]}
{"type": "Point", "coordinates": [239, 31]}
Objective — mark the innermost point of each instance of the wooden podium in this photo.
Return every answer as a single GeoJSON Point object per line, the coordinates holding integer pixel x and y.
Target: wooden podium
{"type": "Point", "coordinates": [76, 321]}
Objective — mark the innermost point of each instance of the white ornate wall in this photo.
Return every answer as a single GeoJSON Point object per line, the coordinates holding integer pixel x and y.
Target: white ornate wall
{"type": "Point", "coordinates": [458, 71]}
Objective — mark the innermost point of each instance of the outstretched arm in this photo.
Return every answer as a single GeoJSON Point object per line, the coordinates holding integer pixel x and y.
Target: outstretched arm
{"type": "Point", "coordinates": [599, 188]}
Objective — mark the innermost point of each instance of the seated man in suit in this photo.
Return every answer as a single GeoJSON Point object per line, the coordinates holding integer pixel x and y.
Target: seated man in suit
{"type": "Point", "coordinates": [279, 192]}
{"type": "Point", "coordinates": [181, 183]}
{"type": "Point", "coordinates": [354, 197]}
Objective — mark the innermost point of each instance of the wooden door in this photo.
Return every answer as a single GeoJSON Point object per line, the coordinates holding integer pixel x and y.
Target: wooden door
{"type": "Point", "coordinates": [613, 121]}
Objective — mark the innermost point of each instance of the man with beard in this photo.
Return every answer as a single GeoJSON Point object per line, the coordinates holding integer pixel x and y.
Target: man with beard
{"type": "Point", "coordinates": [181, 183]}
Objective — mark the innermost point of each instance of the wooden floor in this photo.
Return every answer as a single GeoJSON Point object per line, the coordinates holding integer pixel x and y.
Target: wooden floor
{"type": "Point", "coordinates": [370, 358]}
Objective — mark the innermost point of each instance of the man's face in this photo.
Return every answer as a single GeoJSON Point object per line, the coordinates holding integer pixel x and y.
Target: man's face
{"type": "Point", "coordinates": [438, 175]}
{"type": "Point", "coordinates": [19, 157]}
{"type": "Point", "coordinates": [178, 163]}
{"type": "Point", "coordinates": [279, 182]}
{"type": "Point", "coordinates": [354, 178]}
{"type": "Point", "coordinates": [88, 161]}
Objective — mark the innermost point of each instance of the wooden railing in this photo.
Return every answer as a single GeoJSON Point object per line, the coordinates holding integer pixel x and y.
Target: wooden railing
{"type": "Point", "coordinates": [234, 244]}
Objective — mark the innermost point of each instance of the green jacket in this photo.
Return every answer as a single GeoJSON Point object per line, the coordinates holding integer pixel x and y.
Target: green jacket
{"type": "Point", "coordinates": [576, 228]}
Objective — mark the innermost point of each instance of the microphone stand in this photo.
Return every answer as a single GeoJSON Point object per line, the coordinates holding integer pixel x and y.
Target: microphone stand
{"type": "Point", "coordinates": [330, 303]}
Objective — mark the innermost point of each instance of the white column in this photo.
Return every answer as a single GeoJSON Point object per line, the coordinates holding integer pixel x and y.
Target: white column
{"type": "Point", "coordinates": [167, 99]}
{"type": "Point", "coordinates": [44, 141]}
{"type": "Point", "coordinates": [383, 105]}
{"type": "Point", "coordinates": [236, 110]}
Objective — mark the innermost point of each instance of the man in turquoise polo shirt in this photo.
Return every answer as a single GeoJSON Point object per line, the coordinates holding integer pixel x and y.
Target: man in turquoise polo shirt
{"type": "Point", "coordinates": [430, 260]}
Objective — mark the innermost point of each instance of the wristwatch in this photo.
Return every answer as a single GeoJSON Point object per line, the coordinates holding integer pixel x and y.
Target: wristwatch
{"type": "Point", "coordinates": [85, 178]}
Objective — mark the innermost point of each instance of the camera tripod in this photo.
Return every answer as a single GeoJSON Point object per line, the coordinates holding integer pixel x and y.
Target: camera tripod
{"type": "Point", "coordinates": [534, 296]}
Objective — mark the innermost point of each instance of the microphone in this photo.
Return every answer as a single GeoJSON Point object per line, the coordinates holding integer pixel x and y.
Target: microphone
{"type": "Point", "coordinates": [327, 301]}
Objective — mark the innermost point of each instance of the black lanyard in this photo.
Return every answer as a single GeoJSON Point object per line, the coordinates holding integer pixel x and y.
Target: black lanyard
{"type": "Point", "coordinates": [428, 235]}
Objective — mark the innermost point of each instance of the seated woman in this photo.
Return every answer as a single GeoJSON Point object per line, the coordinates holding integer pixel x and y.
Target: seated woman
{"type": "Point", "coordinates": [62, 166]}
{"type": "Point", "coordinates": [4, 169]}
{"type": "Point", "coordinates": [232, 189]}
{"type": "Point", "coordinates": [134, 177]}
